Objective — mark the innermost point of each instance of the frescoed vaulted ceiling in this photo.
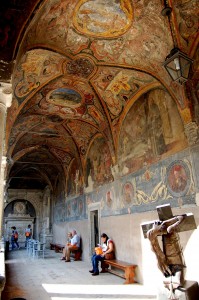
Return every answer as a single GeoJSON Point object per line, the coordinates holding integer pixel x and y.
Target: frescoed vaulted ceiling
{"type": "Point", "coordinates": [79, 68]}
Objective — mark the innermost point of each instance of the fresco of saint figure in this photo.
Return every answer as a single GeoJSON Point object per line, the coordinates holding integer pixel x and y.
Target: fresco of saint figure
{"type": "Point", "coordinates": [177, 178]}
{"type": "Point", "coordinates": [128, 193]}
{"type": "Point", "coordinates": [109, 199]}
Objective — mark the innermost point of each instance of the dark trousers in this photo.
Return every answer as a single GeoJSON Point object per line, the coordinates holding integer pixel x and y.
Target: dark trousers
{"type": "Point", "coordinates": [95, 262]}
{"type": "Point", "coordinates": [27, 239]}
{"type": "Point", "coordinates": [14, 242]}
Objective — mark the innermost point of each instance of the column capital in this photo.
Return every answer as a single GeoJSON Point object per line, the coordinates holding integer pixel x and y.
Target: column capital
{"type": "Point", "coordinates": [5, 94]}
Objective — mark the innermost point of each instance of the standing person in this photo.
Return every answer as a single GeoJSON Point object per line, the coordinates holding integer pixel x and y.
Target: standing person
{"type": "Point", "coordinates": [107, 248]}
{"type": "Point", "coordinates": [14, 238]}
{"type": "Point", "coordinates": [28, 234]}
{"type": "Point", "coordinates": [74, 244]}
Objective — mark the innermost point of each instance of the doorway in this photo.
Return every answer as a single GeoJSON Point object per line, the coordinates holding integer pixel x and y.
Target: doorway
{"type": "Point", "coordinates": [94, 216]}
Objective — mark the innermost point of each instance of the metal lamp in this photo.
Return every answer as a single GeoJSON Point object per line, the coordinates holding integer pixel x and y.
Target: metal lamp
{"type": "Point", "coordinates": [178, 65]}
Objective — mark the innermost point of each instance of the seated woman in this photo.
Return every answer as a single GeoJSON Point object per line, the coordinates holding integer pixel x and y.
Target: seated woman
{"type": "Point", "coordinates": [107, 249]}
{"type": "Point", "coordinates": [73, 243]}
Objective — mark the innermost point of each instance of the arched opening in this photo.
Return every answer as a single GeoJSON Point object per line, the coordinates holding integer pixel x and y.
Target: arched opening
{"type": "Point", "coordinates": [19, 213]}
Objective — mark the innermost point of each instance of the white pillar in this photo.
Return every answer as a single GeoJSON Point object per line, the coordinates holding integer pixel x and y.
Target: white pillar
{"type": "Point", "coordinates": [5, 101]}
{"type": "Point", "coordinates": [2, 185]}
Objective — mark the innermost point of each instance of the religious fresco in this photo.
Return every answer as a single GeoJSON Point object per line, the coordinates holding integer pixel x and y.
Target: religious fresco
{"type": "Point", "coordinates": [83, 132]}
{"type": "Point", "coordinates": [93, 99]}
{"type": "Point", "coordinates": [35, 68]}
{"type": "Point", "coordinates": [64, 97]}
{"type": "Point", "coordinates": [68, 209]}
{"type": "Point", "coordinates": [74, 180]}
{"type": "Point", "coordinates": [22, 125]}
{"type": "Point", "coordinates": [85, 107]}
{"type": "Point", "coordinates": [73, 209]}
{"type": "Point", "coordinates": [128, 193]}
{"type": "Point", "coordinates": [137, 192]}
{"type": "Point", "coordinates": [178, 178]}
{"type": "Point", "coordinates": [59, 215]}
{"type": "Point", "coordinates": [109, 198]}
{"type": "Point", "coordinates": [102, 18]}
{"type": "Point", "coordinates": [70, 25]}
{"type": "Point", "coordinates": [167, 181]}
{"type": "Point", "coordinates": [59, 188]}
{"type": "Point", "coordinates": [117, 88]}
{"type": "Point", "coordinates": [140, 191]}
{"type": "Point", "coordinates": [151, 186]}
{"type": "Point", "coordinates": [121, 50]}
{"type": "Point", "coordinates": [187, 20]}
{"type": "Point", "coordinates": [99, 163]}
{"type": "Point", "coordinates": [148, 133]}
{"type": "Point", "coordinates": [61, 155]}
{"type": "Point", "coordinates": [82, 67]}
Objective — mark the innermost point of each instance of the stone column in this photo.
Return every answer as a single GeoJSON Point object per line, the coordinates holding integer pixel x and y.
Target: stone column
{"type": "Point", "coordinates": [46, 236]}
{"type": "Point", "coordinates": [5, 101]}
{"type": "Point", "coordinates": [2, 186]}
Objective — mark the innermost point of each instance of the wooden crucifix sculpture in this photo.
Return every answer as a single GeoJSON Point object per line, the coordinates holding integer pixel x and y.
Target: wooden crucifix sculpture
{"type": "Point", "coordinates": [169, 255]}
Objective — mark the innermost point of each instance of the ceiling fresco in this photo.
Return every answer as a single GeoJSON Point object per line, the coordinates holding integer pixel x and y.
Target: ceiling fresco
{"type": "Point", "coordinates": [80, 67]}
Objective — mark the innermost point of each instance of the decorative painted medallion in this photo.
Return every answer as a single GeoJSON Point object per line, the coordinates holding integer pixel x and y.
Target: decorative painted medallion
{"type": "Point", "coordinates": [128, 193]}
{"type": "Point", "coordinates": [80, 67]}
{"type": "Point", "coordinates": [19, 208]}
{"type": "Point", "coordinates": [64, 97]}
{"type": "Point", "coordinates": [109, 198]}
{"type": "Point", "coordinates": [178, 178]}
{"type": "Point", "coordinates": [103, 18]}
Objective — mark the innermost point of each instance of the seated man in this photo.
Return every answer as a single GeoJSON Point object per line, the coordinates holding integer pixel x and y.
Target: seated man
{"type": "Point", "coordinates": [74, 244]}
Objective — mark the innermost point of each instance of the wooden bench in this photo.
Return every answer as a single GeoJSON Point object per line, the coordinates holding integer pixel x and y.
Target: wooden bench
{"type": "Point", "coordinates": [75, 253]}
{"type": "Point", "coordinates": [128, 270]}
{"type": "Point", "coordinates": [52, 246]}
{"type": "Point", "coordinates": [56, 247]}
{"type": "Point", "coordinates": [78, 253]}
{"type": "Point", "coordinates": [59, 247]}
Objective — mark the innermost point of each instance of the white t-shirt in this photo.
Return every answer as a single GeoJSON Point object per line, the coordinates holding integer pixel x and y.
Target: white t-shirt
{"type": "Point", "coordinates": [75, 240]}
{"type": "Point", "coordinates": [105, 246]}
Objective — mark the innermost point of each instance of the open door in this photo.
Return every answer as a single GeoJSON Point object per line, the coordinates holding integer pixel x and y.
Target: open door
{"type": "Point", "coordinates": [94, 216]}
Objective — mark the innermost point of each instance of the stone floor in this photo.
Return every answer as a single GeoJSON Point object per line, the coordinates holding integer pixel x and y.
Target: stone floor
{"type": "Point", "coordinates": [53, 279]}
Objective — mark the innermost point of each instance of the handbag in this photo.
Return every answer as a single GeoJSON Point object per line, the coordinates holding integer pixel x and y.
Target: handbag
{"type": "Point", "coordinates": [109, 255]}
{"type": "Point", "coordinates": [98, 250]}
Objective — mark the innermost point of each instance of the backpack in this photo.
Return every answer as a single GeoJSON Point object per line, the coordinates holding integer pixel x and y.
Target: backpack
{"type": "Point", "coordinates": [16, 235]}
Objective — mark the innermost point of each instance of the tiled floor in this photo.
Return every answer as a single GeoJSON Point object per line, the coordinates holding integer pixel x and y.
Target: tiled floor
{"type": "Point", "coordinates": [53, 279]}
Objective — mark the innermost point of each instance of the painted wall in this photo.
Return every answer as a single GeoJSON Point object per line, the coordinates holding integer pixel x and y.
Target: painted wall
{"type": "Point", "coordinates": [173, 180]}
{"type": "Point", "coordinates": [131, 246]}
{"type": "Point", "coordinates": [154, 167]}
{"type": "Point", "coordinates": [122, 216]}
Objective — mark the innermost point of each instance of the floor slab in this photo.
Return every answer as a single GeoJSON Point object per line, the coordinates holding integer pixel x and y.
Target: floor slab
{"type": "Point", "coordinates": [53, 279]}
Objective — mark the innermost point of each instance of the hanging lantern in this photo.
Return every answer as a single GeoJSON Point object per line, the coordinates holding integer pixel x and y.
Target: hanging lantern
{"type": "Point", "coordinates": [178, 65]}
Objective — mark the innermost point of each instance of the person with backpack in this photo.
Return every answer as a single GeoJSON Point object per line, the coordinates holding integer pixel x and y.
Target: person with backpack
{"type": "Point", "coordinates": [14, 238]}
{"type": "Point", "coordinates": [28, 234]}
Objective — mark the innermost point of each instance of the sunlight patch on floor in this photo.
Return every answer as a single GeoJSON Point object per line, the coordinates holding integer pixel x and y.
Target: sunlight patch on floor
{"type": "Point", "coordinates": [133, 298]}
{"type": "Point", "coordinates": [96, 289]}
